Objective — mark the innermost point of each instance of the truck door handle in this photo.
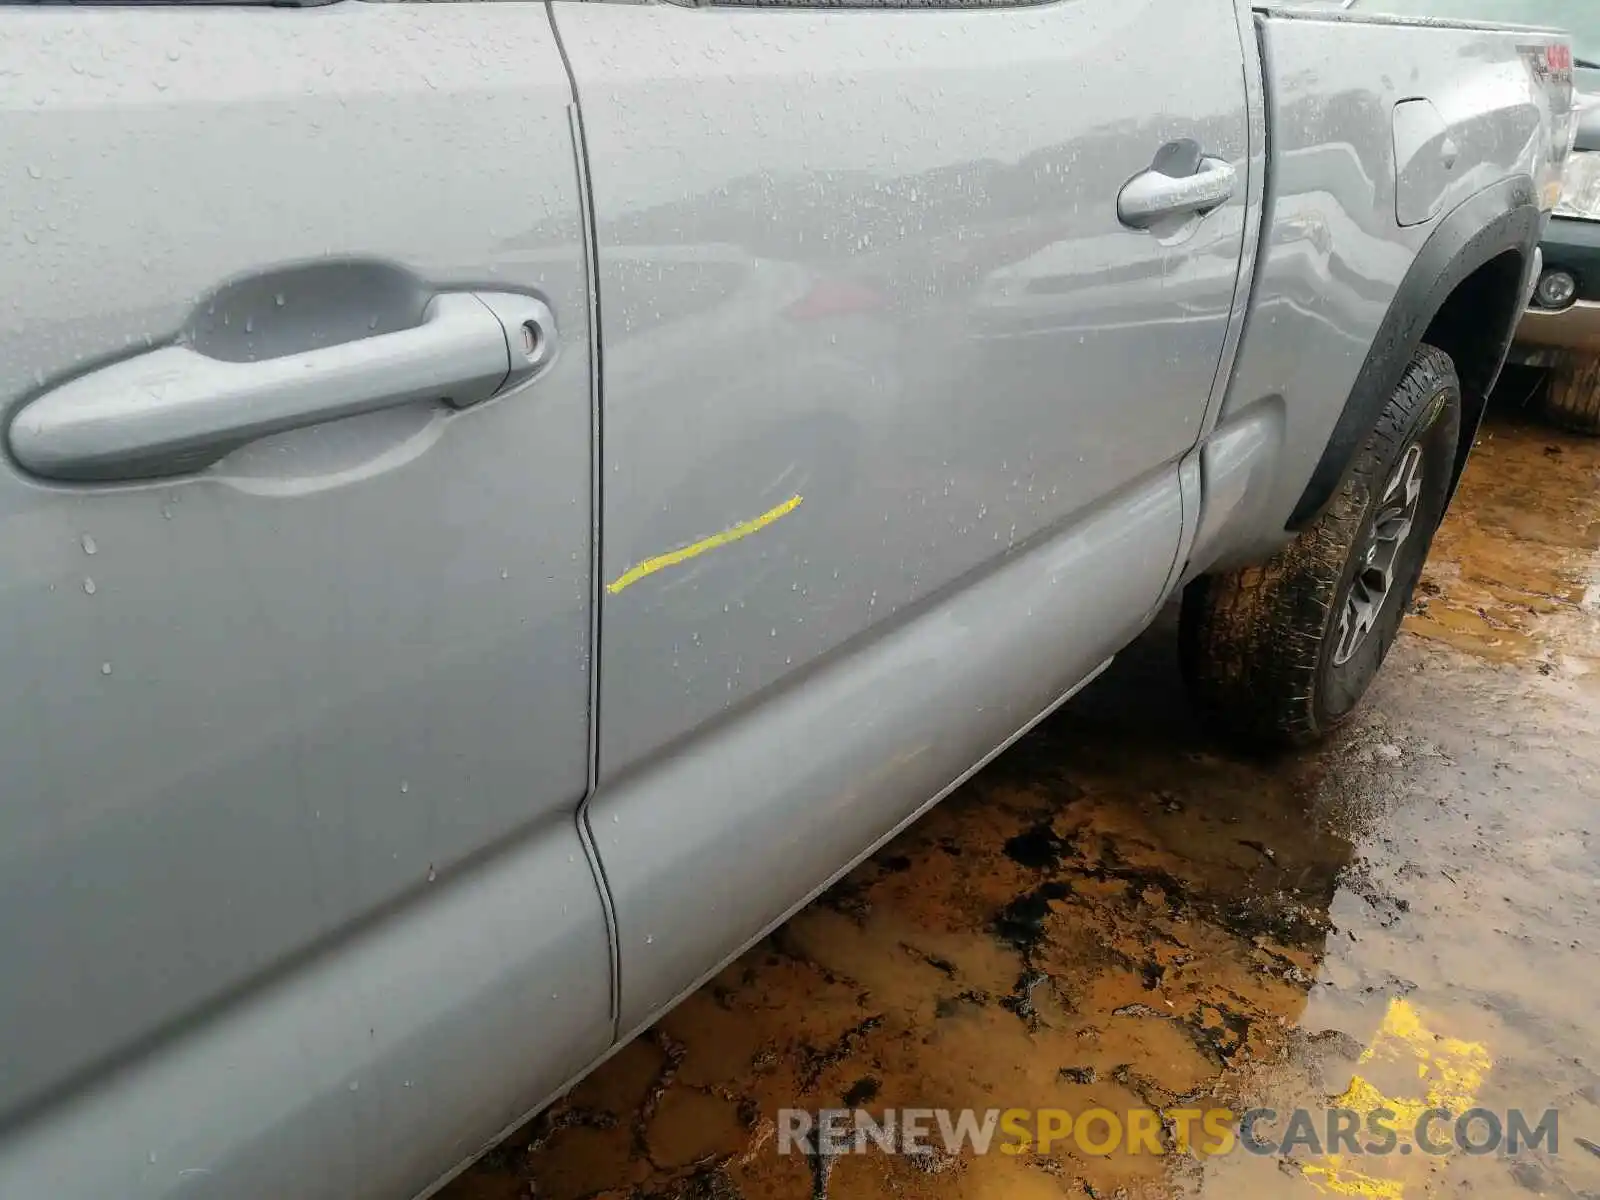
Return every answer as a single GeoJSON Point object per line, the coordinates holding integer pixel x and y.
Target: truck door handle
{"type": "Point", "coordinates": [176, 410]}
{"type": "Point", "coordinates": [1180, 181]}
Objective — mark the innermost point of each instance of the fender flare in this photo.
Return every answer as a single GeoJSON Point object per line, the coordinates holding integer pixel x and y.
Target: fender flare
{"type": "Point", "coordinates": [1503, 217]}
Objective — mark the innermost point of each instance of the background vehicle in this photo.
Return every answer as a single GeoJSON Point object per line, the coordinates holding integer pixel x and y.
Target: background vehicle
{"type": "Point", "coordinates": [1560, 334]}
{"type": "Point", "coordinates": [1561, 331]}
{"type": "Point", "coordinates": [504, 502]}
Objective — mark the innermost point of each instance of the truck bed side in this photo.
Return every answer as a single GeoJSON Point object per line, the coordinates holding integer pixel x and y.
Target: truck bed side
{"type": "Point", "coordinates": [1408, 163]}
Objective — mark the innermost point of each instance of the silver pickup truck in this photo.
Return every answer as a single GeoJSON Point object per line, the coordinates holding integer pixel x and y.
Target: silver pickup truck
{"type": "Point", "coordinates": [504, 502]}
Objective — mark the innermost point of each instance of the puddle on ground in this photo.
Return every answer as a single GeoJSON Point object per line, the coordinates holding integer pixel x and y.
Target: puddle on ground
{"type": "Point", "coordinates": [1117, 914]}
{"type": "Point", "coordinates": [1515, 571]}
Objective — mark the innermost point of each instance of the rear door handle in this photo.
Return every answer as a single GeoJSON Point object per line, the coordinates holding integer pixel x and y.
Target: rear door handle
{"type": "Point", "coordinates": [175, 410]}
{"type": "Point", "coordinates": [1157, 193]}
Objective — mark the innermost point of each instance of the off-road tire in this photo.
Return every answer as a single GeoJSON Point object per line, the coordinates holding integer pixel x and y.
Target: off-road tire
{"type": "Point", "coordinates": [1258, 645]}
{"type": "Point", "coordinates": [1572, 395]}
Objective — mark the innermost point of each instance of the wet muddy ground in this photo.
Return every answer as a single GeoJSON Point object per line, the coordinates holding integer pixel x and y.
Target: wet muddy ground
{"type": "Point", "coordinates": [1121, 914]}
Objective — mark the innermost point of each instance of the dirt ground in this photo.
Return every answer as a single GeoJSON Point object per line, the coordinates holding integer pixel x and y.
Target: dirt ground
{"type": "Point", "coordinates": [1119, 913]}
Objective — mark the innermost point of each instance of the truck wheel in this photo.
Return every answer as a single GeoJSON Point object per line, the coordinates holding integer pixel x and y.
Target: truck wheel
{"type": "Point", "coordinates": [1572, 395]}
{"type": "Point", "coordinates": [1278, 654]}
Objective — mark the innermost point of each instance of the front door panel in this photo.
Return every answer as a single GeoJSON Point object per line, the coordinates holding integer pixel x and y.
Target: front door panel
{"type": "Point", "coordinates": [274, 730]}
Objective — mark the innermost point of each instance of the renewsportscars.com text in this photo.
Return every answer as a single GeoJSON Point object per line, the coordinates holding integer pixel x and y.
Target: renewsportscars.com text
{"type": "Point", "coordinates": [1204, 1131]}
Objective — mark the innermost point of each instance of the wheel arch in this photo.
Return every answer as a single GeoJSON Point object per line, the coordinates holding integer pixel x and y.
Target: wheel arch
{"type": "Point", "coordinates": [1464, 293]}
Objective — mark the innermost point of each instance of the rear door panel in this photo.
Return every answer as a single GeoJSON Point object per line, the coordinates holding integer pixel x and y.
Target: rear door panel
{"type": "Point", "coordinates": [873, 341]}
{"type": "Point", "coordinates": [872, 258]}
{"type": "Point", "coordinates": [265, 725]}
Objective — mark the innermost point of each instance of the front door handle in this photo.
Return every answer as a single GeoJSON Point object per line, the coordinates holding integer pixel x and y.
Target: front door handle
{"type": "Point", "coordinates": [1167, 189]}
{"type": "Point", "coordinates": [176, 410]}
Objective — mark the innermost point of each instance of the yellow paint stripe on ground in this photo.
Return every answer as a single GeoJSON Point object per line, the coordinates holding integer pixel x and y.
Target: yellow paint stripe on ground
{"type": "Point", "coordinates": [1332, 1177]}
{"type": "Point", "coordinates": [1450, 1071]}
{"type": "Point", "coordinates": [673, 557]}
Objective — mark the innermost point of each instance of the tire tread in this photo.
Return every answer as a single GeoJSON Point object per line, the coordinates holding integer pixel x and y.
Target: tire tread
{"type": "Point", "coordinates": [1572, 396]}
{"type": "Point", "coordinates": [1250, 640]}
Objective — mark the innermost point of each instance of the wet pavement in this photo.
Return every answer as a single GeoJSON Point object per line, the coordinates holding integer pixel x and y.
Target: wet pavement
{"type": "Point", "coordinates": [1121, 914]}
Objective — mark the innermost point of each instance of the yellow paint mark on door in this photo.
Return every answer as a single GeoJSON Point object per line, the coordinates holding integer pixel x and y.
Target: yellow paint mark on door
{"type": "Point", "coordinates": [673, 557]}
